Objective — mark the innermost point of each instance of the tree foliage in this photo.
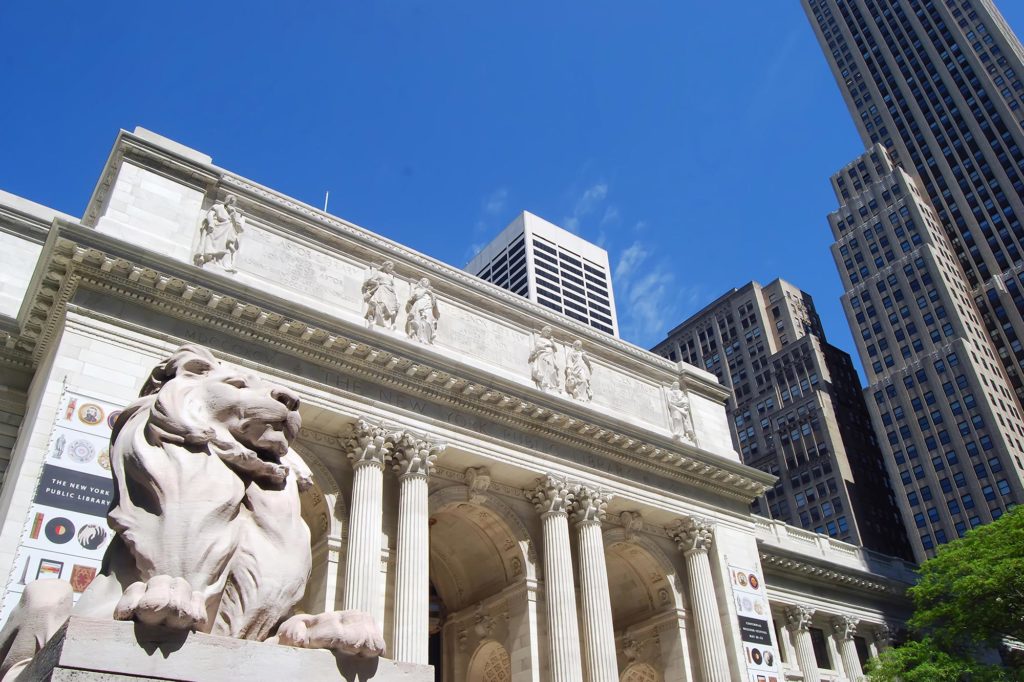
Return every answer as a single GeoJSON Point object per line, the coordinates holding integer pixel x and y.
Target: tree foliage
{"type": "Point", "coordinates": [924, 661]}
{"type": "Point", "coordinates": [969, 597]}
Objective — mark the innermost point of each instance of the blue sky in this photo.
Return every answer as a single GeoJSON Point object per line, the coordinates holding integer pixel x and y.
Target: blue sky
{"type": "Point", "coordinates": [694, 140]}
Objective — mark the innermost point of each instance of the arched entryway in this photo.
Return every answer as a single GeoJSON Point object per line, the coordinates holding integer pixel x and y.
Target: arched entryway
{"type": "Point", "coordinates": [323, 510]}
{"type": "Point", "coordinates": [479, 569]}
{"type": "Point", "coordinates": [648, 609]}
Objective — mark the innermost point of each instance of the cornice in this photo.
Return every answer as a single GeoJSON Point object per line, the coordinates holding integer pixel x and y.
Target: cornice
{"type": "Point", "coordinates": [791, 565]}
{"type": "Point", "coordinates": [72, 258]}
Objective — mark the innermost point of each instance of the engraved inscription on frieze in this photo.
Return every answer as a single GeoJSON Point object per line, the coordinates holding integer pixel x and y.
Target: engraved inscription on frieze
{"type": "Point", "coordinates": [270, 258]}
{"type": "Point", "coordinates": [484, 339]}
{"type": "Point", "coordinates": [621, 392]}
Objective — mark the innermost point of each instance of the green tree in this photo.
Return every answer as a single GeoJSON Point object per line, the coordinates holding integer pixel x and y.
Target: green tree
{"type": "Point", "coordinates": [969, 597]}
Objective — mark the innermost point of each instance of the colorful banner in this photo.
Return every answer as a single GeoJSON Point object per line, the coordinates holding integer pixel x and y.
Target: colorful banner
{"type": "Point", "coordinates": [66, 533]}
{"type": "Point", "coordinates": [754, 618]}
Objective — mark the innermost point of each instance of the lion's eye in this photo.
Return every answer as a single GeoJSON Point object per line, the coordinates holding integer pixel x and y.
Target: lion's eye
{"type": "Point", "coordinates": [237, 382]}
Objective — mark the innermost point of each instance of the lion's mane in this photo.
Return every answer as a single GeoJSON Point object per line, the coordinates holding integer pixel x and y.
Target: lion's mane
{"type": "Point", "coordinates": [191, 501]}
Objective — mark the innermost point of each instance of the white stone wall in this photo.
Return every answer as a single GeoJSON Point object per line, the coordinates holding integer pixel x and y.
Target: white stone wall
{"type": "Point", "coordinates": [19, 257]}
{"type": "Point", "coordinates": [95, 360]}
{"type": "Point", "coordinates": [152, 211]}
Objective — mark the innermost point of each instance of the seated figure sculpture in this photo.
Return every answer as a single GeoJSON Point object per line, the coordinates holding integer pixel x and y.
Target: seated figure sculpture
{"type": "Point", "coordinates": [206, 515]}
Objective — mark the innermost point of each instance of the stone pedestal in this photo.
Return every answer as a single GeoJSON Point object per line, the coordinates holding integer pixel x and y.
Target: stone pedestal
{"type": "Point", "coordinates": [94, 650]}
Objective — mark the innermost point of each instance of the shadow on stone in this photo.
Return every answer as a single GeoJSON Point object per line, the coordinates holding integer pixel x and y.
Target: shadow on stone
{"type": "Point", "coordinates": [355, 669]}
{"type": "Point", "coordinates": [154, 638]}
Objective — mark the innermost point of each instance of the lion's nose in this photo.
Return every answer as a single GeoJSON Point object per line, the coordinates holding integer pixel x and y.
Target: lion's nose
{"type": "Point", "coordinates": [285, 397]}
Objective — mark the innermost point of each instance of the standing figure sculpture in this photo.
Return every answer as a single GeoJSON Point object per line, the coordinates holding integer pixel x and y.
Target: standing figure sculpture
{"type": "Point", "coordinates": [578, 372]}
{"type": "Point", "coordinates": [218, 241]}
{"type": "Point", "coordinates": [206, 511]}
{"type": "Point", "coordinates": [680, 416]}
{"type": "Point", "coordinates": [379, 296]}
{"type": "Point", "coordinates": [544, 363]}
{"type": "Point", "coordinates": [422, 313]}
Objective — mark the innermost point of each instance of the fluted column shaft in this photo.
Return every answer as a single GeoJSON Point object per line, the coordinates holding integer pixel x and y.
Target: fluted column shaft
{"type": "Point", "coordinates": [595, 598]}
{"type": "Point", "coordinates": [362, 571]}
{"type": "Point", "coordinates": [368, 448]}
{"type": "Point", "coordinates": [413, 461]}
{"type": "Point", "coordinates": [551, 499]}
{"type": "Point", "coordinates": [844, 628]}
{"type": "Point", "coordinates": [798, 621]}
{"type": "Point", "coordinates": [694, 537]}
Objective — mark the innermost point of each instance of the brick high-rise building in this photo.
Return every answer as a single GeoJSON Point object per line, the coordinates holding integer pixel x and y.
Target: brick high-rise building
{"type": "Point", "coordinates": [939, 84]}
{"type": "Point", "coordinates": [944, 411]}
{"type": "Point", "coordinates": [797, 411]}
{"type": "Point", "coordinates": [928, 243]}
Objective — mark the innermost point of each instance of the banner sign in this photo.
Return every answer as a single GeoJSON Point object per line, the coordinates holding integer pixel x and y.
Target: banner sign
{"type": "Point", "coordinates": [66, 533]}
{"type": "Point", "coordinates": [754, 619]}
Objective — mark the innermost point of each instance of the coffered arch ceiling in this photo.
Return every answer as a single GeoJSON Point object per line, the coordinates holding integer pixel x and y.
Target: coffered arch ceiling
{"type": "Point", "coordinates": [474, 553]}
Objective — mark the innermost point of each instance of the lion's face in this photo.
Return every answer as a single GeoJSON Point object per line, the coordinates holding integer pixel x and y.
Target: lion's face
{"type": "Point", "coordinates": [200, 402]}
{"type": "Point", "coordinates": [259, 415]}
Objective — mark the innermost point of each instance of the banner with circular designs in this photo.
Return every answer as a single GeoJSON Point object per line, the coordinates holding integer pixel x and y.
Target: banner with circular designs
{"type": "Point", "coordinates": [755, 625]}
{"type": "Point", "coordinates": [66, 532]}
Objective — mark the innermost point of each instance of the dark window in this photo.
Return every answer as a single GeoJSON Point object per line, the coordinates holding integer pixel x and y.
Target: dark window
{"type": "Point", "coordinates": [820, 649]}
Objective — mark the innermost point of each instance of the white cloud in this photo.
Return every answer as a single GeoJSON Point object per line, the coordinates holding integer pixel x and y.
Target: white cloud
{"type": "Point", "coordinates": [593, 196]}
{"type": "Point", "coordinates": [494, 203]}
{"type": "Point", "coordinates": [611, 215]}
{"type": "Point", "coordinates": [649, 301]}
{"type": "Point", "coordinates": [587, 203]}
{"type": "Point", "coordinates": [629, 260]}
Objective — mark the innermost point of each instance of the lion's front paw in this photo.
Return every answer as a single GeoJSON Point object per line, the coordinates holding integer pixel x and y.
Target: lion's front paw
{"type": "Point", "coordinates": [348, 632]}
{"type": "Point", "coordinates": [162, 600]}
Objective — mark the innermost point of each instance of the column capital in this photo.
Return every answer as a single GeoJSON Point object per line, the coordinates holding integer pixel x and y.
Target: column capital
{"type": "Point", "coordinates": [589, 505]}
{"type": "Point", "coordinates": [553, 495]}
{"type": "Point", "coordinates": [369, 444]}
{"type": "Point", "coordinates": [798, 617]}
{"type": "Point", "coordinates": [692, 533]}
{"type": "Point", "coordinates": [844, 626]}
{"type": "Point", "coordinates": [414, 454]}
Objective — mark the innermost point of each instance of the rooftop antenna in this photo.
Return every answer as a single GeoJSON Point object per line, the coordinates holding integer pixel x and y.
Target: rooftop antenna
{"type": "Point", "coordinates": [327, 195]}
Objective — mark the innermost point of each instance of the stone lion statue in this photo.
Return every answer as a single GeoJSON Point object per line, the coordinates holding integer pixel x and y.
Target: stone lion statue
{"type": "Point", "coordinates": [206, 516]}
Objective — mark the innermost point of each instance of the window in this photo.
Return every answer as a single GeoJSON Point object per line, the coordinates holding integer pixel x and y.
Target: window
{"type": "Point", "coordinates": [820, 649]}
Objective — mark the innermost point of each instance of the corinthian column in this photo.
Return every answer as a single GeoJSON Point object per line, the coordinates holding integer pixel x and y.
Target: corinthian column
{"type": "Point", "coordinates": [368, 447]}
{"type": "Point", "coordinates": [798, 622]}
{"type": "Point", "coordinates": [843, 629]}
{"type": "Point", "coordinates": [552, 497]}
{"type": "Point", "coordinates": [413, 460]}
{"type": "Point", "coordinates": [598, 633]}
{"type": "Point", "coordinates": [694, 537]}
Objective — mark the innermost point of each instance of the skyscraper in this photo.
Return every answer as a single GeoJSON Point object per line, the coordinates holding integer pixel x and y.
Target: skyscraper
{"type": "Point", "coordinates": [797, 411]}
{"type": "Point", "coordinates": [554, 267]}
{"type": "Point", "coordinates": [939, 84]}
{"type": "Point", "coordinates": [928, 244]}
{"type": "Point", "coordinates": [950, 427]}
